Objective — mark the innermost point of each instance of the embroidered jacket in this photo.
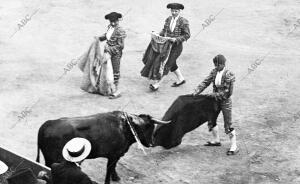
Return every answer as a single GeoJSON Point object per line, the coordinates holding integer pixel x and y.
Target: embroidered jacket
{"type": "Point", "coordinates": [116, 41]}
{"type": "Point", "coordinates": [181, 31]}
{"type": "Point", "coordinates": [222, 92]}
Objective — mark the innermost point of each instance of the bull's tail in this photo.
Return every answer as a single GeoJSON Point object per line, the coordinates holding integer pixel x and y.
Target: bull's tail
{"type": "Point", "coordinates": [38, 145]}
{"type": "Point", "coordinates": [38, 153]}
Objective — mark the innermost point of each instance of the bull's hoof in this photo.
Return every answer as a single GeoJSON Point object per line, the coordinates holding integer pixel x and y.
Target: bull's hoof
{"type": "Point", "coordinates": [115, 177]}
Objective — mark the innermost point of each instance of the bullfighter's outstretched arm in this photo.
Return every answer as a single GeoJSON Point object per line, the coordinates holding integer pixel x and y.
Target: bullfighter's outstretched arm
{"type": "Point", "coordinates": [204, 84]}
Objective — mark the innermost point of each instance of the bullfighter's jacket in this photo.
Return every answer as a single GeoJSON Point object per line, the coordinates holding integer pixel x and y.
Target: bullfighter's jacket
{"type": "Point", "coordinates": [116, 41]}
{"type": "Point", "coordinates": [181, 31]}
{"type": "Point", "coordinates": [223, 91]}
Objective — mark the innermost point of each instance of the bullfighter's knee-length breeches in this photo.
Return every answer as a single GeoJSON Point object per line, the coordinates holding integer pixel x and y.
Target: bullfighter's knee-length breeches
{"type": "Point", "coordinates": [226, 107]}
{"type": "Point", "coordinates": [174, 54]}
{"type": "Point", "coordinates": [115, 60]}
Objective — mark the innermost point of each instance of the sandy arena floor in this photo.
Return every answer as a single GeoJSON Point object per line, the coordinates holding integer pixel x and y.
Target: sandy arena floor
{"type": "Point", "coordinates": [266, 102]}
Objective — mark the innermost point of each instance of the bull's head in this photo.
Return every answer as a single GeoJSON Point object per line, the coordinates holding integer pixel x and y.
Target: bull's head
{"type": "Point", "coordinates": [167, 136]}
{"type": "Point", "coordinates": [144, 126]}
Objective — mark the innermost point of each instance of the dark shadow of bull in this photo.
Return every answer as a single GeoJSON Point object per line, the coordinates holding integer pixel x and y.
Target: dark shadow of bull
{"type": "Point", "coordinates": [186, 114]}
{"type": "Point", "coordinates": [109, 133]}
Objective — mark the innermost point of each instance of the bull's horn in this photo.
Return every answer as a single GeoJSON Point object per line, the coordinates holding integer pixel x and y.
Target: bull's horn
{"type": "Point", "coordinates": [160, 121]}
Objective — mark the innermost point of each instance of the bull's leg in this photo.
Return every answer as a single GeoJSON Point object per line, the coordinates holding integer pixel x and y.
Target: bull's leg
{"type": "Point", "coordinates": [49, 160]}
{"type": "Point", "coordinates": [114, 174]}
{"type": "Point", "coordinates": [52, 157]}
{"type": "Point", "coordinates": [110, 170]}
{"type": "Point", "coordinates": [48, 163]}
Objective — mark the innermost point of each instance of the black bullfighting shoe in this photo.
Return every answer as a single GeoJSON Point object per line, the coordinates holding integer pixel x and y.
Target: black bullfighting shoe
{"type": "Point", "coordinates": [212, 143]}
{"type": "Point", "coordinates": [175, 84]}
{"type": "Point", "coordinates": [232, 152]}
{"type": "Point", "coordinates": [153, 88]}
{"type": "Point", "coordinates": [115, 95]}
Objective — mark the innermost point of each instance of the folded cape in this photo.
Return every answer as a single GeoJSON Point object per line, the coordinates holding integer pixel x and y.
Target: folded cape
{"type": "Point", "coordinates": [97, 70]}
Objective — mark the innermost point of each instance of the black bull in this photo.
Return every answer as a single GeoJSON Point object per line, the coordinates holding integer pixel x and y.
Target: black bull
{"type": "Point", "coordinates": [186, 113]}
{"type": "Point", "coordinates": [109, 133]}
{"type": "Point", "coordinates": [111, 137]}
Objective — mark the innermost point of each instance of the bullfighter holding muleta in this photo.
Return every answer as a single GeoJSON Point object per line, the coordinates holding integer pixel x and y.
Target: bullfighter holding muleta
{"type": "Point", "coordinates": [114, 37]}
{"type": "Point", "coordinates": [176, 29]}
{"type": "Point", "coordinates": [222, 80]}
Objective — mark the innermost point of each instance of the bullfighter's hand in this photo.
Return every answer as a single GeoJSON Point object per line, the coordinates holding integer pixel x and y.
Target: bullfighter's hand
{"type": "Point", "coordinates": [43, 175]}
{"type": "Point", "coordinates": [106, 56]}
{"type": "Point", "coordinates": [195, 93]}
{"type": "Point", "coordinates": [214, 95]}
{"type": "Point", "coordinates": [106, 48]}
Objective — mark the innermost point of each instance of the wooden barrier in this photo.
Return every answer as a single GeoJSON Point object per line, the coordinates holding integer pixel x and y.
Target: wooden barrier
{"type": "Point", "coordinates": [16, 162]}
